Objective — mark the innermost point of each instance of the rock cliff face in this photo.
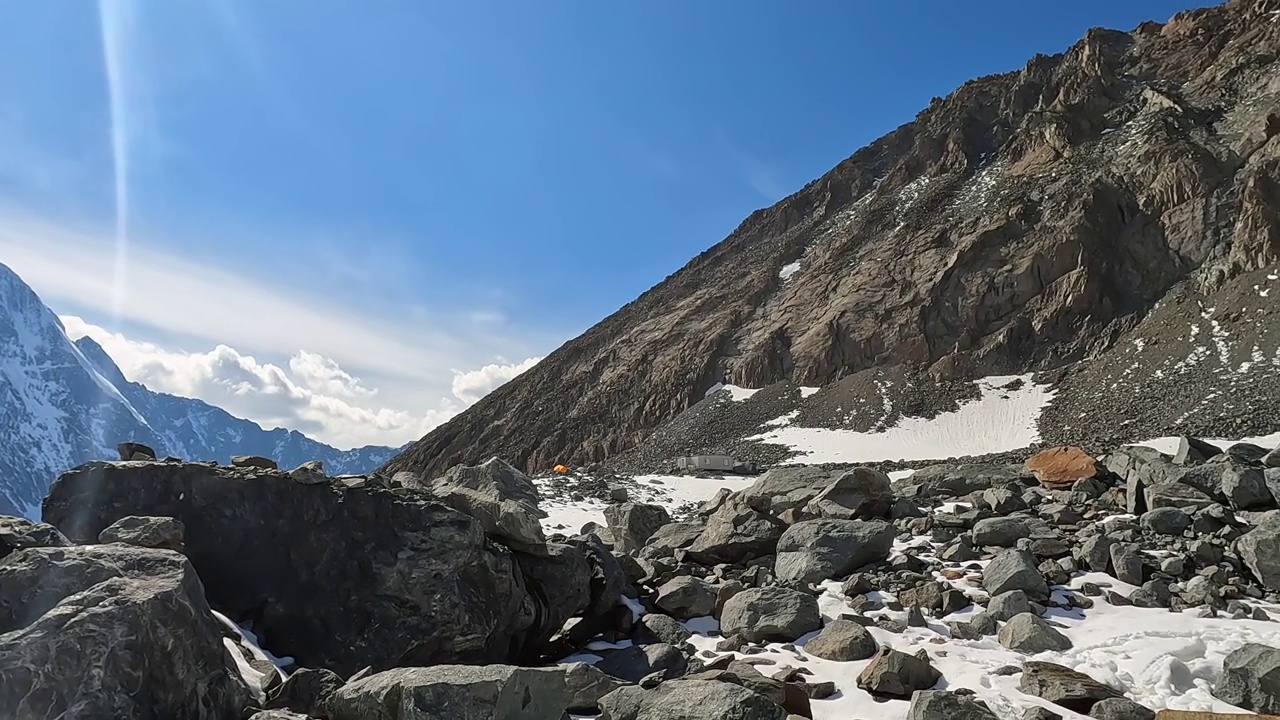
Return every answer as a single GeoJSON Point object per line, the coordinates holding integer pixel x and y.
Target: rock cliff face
{"type": "Point", "coordinates": [1025, 222]}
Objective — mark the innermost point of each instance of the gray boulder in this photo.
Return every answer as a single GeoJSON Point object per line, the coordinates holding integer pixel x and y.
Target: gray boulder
{"type": "Point", "coordinates": [503, 500]}
{"type": "Point", "coordinates": [947, 705]}
{"type": "Point", "coordinates": [817, 550]}
{"type": "Point", "coordinates": [896, 674]}
{"type": "Point", "coordinates": [1014, 569]}
{"type": "Point", "coordinates": [690, 700]}
{"type": "Point", "coordinates": [736, 533]}
{"type": "Point", "coordinates": [1121, 709]}
{"type": "Point", "coordinates": [1126, 563]}
{"type": "Point", "coordinates": [1165, 521]}
{"type": "Point", "coordinates": [635, 663]}
{"type": "Point", "coordinates": [1095, 553]}
{"type": "Point", "coordinates": [1063, 686]}
{"type": "Point", "coordinates": [1003, 500]}
{"type": "Point", "coordinates": [957, 479]}
{"type": "Point", "coordinates": [1176, 495]}
{"type": "Point", "coordinates": [17, 533]}
{"type": "Point", "coordinates": [687, 597]}
{"type": "Point", "coordinates": [75, 623]}
{"type": "Point", "coordinates": [1260, 550]}
{"type": "Point", "coordinates": [770, 613]}
{"type": "Point", "coordinates": [1251, 679]}
{"type": "Point", "coordinates": [1271, 459]}
{"type": "Point", "coordinates": [304, 691]}
{"type": "Point", "coordinates": [859, 494]}
{"type": "Point", "coordinates": [164, 533]}
{"type": "Point", "coordinates": [669, 538]}
{"type": "Point", "coordinates": [1040, 712]}
{"type": "Point", "coordinates": [659, 628]}
{"type": "Point", "coordinates": [1007, 604]}
{"type": "Point", "coordinates": [457, 692]}
{"type": "Point", "coordinates": [1028, 633]}
{"type": "Point", "coordinates": [787, 488]}
{"type": "Point", "coordinates": [634, 523]}
{"type": "Point", "coordinates": [1139, 467]}
{"type": "Point", "coordinates": [135, 451]}
{"type": "Point", "coordinates": [999, 531]}
{"type": "Point", "coordinates": [1246, 488]}
{"type": "Point", "coordinates": [842, 640]}
{"type": "Point", "coordinates": [586, 684]}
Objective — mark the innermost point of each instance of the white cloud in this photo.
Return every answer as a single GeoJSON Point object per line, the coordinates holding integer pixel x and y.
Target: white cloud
{"type": "Point", "coordinates": [469, 387]}
{"type": "Point", "coordinates": [311, 393]}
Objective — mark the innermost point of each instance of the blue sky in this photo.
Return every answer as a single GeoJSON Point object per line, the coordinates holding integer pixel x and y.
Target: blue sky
{"type": "Point", "coordinates": [420, 190]}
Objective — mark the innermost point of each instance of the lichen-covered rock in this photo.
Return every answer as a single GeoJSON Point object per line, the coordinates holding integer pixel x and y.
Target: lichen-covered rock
{"type": "Point", "coordinates": [1251, 679]}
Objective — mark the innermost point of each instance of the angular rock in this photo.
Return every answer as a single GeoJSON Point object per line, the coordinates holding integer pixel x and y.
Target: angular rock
{"type": "Point", "coordinates": [17, 533]}
{"type": "Point", "coordinates": [635, 663]}
{"type": "Point", "coordinates": [1014, 569]}
{"type": "Point", "coordinates": [736, 533]}
{"type": "Point", "coordinates": [690, 700]}
{"type": "Point", "coordinates": [659, 628]}
{"type": "Point", "coordinates": [896, 674]}
{"type": "Point", "coordinates": [787, 488]}
{"type": "Point", "coordinates": [503, 500]}
{"type": "Point", "coordinates": [1140, 467]}
{"type": "Point", "coordinates": [1271, 459]}
{"type": "Point", "coordinates": [1126, 563]}
{"type": "Point", "coordinates": [1028, 633]}
{"type": "Point", "coordinates": [1003, 500]}
{"type": "Point", "coordinates": [669, 538]}
{"type": "Point", "coordinates": [770, 613]}
{"type": "Point", "coordinates": [999, 531]}
{"type": "Point", "coordinates": [859, 494]}
{"type": "Point", "coordinates": [1250, 679]}
{"type": "Point", "coordinates": [429, 587]}
{"type": "Point", "coordinates": [817, 550]}
{"type": "Point", "coordinates": [1060, 468]}
{"type": "Point", "coordinates": [253, 461]}
{"type": "Point", "coordinates": [1121, 709]}
{"type": "Point", "coordinates": [1193, 451]}
{"type": "Point", "coordinates": [947, 705]}
{"type": "Point", "coordinates": [1165, 521]}
{"type": "Point", "coordinates": [163, 533]}
{"type": "Point", "coordinates": [1246, 488]}
{"type": "Point", "coordinates": [586, 685]}
{"type": "Point", "coordinates": [1039, 712]}
{"type": "Point", "coordinates": [304, 691]}
{"type": "Point", "coordinates": [842, 640]}
{"type": "Point", "coordinates": [1260, 550]}
{"type": "Point", "coordinates": [75, 622]}
{"type": "Point", "coordinates": [687, 597]}
{"type": "Point", "coordinates": [954, 480]}
{"type": "Point", "coordinates": [465, 692]}
{"type": "Point", "coordinates": [135, 451]}
{"type": "Point", "coordinates": [1008, 604]}
{"type": "Point", "coordinates": [1063, 686]}
{"type": "Point", "coordinates": [1177, 495]}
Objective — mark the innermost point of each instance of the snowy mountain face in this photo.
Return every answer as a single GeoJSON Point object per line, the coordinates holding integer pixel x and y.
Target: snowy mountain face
{"type": "Point", "coordinates": [63, 403]}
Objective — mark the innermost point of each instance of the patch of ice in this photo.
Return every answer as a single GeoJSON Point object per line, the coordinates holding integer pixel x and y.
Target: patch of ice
{"type": "Point", "coordinates": [253, 677]}
{"type": "Point", "coordinates": [999, 421]}
{"type": "Point", "coordinates": [788, 270]}
{"type": "Point", "coordinates": [808, 391]}
{"type": "Point", "coordinates": [736, 394]}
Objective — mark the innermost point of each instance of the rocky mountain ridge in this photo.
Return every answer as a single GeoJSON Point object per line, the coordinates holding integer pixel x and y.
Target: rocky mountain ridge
{"type": "Point", "coordinates": [1027, 222]}
{"type": "Point", "coordinates": [63, 403]}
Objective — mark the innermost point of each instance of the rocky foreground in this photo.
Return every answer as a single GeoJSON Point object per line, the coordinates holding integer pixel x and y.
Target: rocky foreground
{"type": "Point", "coordinates": [165, 589]}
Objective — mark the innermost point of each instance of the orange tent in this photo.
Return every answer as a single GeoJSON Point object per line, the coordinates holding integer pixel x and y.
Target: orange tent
{"type": "Point", "coordinates": [561, 469]}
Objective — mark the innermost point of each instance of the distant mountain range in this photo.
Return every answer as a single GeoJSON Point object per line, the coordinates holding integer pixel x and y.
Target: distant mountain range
{"type": "Point", "coordinates": [63, 403]}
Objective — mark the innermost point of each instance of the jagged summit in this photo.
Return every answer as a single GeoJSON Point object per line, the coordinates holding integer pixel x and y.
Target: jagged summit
{"type": "Point", "coordinates": [1026, 222]}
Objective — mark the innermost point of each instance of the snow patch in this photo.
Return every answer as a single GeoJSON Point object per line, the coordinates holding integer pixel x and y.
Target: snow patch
{"type": "Point", "coordinates": [999, 421]}
{"type": "Point", "coordinates": [788, 270]}
{"type": "Point", "coordinates": [808, 391]}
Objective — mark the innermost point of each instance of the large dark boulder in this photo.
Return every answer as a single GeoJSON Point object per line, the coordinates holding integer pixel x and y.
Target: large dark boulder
{"type": "Point", "coordinates": [503, 499]}
{"type": "Point", "coordinates": [1063, 686]}
{"type": "Point", "coordinates": [859, 494]}
{"type": "Point", "coordinates": [1260, 550]}
{"type": "Point", "coordinates": [632, 524]}
{"type": "Point", "coordinates": [338, 575]}
{"type": "Point", "coordinates": [84, 629]}
{"type": "Point", "coordinates": [947, 705]}
{"type": "Point", "coordinates": [770, 613]}
{"type": "Point", "coordinates": [787, 488]}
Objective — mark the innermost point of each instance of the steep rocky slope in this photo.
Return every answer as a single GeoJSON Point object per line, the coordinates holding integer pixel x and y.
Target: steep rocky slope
{"type": "Point", "coordinates": [63, 403]}
{"type": "Point", "coordinates": [1028, 221]}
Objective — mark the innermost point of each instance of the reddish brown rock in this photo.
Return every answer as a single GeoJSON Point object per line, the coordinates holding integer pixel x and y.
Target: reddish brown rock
{"type": "Point", "coordinates": [1061, 467]}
